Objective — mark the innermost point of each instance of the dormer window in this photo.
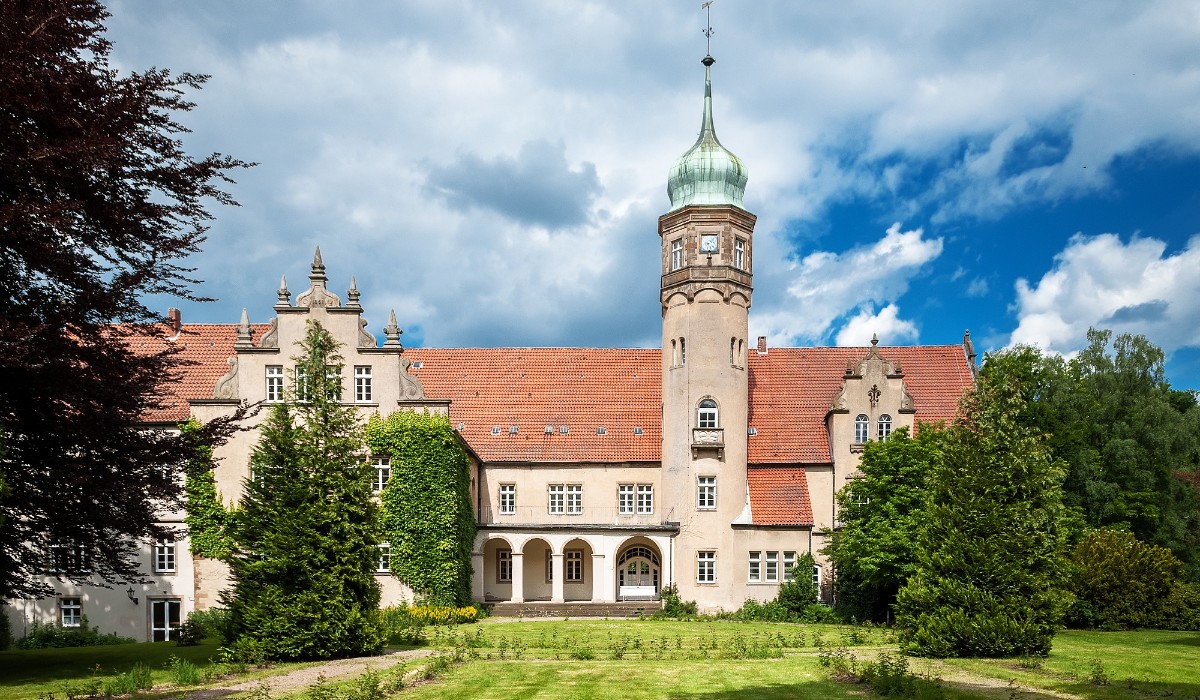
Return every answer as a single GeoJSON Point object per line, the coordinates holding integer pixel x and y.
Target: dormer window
{"type": "Point", "coordinates": [706, 414]}
{"type": "Point", "coordinates": [885, 426]}
{"type": "Point", "coordinates": [862, 428]}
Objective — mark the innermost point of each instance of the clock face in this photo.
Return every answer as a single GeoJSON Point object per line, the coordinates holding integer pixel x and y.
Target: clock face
{"type": "Point", "coordinates": [708, 243]}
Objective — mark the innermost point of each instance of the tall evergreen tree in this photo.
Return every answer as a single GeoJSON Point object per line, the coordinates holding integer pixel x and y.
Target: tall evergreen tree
{"type": "Point", "coordinates": [875, 550]}
{"type": "Point", "coordinates": [100, 206]}
{"type": "Point", "coordinates": [991, 565]}
{"type": "Point", "coordinates": [306, 531]}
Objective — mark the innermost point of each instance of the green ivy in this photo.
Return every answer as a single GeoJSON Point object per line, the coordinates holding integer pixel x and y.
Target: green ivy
{"type": "Point", "coordinates": [427, 513]}
{"type": "Point", "coordinates": [207, 519]}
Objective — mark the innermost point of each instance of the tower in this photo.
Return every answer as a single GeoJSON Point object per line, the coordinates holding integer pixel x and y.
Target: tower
{"type": "Point", "coordinates": [707, 249]}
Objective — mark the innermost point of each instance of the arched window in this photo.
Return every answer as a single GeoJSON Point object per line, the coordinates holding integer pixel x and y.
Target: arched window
{"type": "Point", "coordinates": [706, 414]}
{"type": "Point", "coordinates": [682, 352]}
{"type": "Point", "coordinates": [732, 349]}
{"type": "Point", "coordinates": [674, 353]}
{"type": "Point", "coordinates": [885, 426]}
{"type": "Point", "coordinates": [861, 428]}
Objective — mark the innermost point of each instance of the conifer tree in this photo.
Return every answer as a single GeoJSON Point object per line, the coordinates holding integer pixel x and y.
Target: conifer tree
{"type": "Point", "coordinates": [306, 532]}
{"type": "Point", "coordinates": [991, 556]}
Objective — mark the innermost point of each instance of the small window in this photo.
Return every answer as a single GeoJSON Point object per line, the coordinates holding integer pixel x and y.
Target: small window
{"type": "Point", "coordinates": [573, 562]}
{"type": "Point", "coordinates": [862, 427]}
{"type": "Point", "coordinates": [384, 565]}
{"type": "Point", "coordinates": [362, 384]}
{"type": "Point", "coordinates": [706, 492]}
{"type": "Point", "coordinates": [638, 430]}
{"type": "Point", "coordinates": [602, 430]}
{"type": "Point", "coordinates": [301, 376]}
{"type": "Point", "coordinates": [574, 499]}
{"type": "Point", "coordinates": [676, 253]}
{"type": "Point", "coordinates": [674, 352]}
{"type": "Point", "coordinates": [625, 499]}
{"type": "Point", "coordinates": [772, 569]}
{"type": "Point", "coordinates": [645, 499]}
{"type": "Point", "coordinates": [512, 430]}
{"type": "Point", "coordinates": [164, 557]}
{"type": "Point", "coordinates": [755, 574]}
{"type": "Point", "coordinates": [504, 566]}
{"type": "Point", "coordinates": [885, 426]}
{"type": "Point", "coordinates": [383, 472]}
{"type": "Point", "coordinates": [682, 352]}
{"type": "Point", "coordinates": [557, 494]}
{"type": "Point", "coordinates": [789, 563]}
{"type": "Point", "coordinates": [739, 254]}
{"type": "Point", "coordinates": [816, 579]}
{"type": "Point", "coordinates": [495, 430]}
{"type": "Point", "coordinates": [274, 383]}
{"type": "Point", "coordinates": [70, 558]}
{"type": "Point", "coordinates": [563, 430]}
{"type": "Point", "coordinates": [333, 384]}
{"type": "Point", "coordinates": [706, 414]}
{"type": "Point", "coordinates": [508, 499]}
{"type": "Point", "coordinates": [706, 567]}
{"type": "Point", "coordinates": [70, 612]}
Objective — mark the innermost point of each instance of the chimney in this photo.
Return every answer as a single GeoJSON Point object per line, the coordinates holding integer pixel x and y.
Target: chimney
{"type": "Point", "coordinates": [762, 345]}
{"type": "Point", "coordinates": [175, 320]}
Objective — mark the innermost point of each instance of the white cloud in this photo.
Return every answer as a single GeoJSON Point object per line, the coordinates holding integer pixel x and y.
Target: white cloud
{"type": "Point", "coordinates": [977, 288]}
{"type": "Point", "coordinates": [828, 285]}
{"type": "Point", "coordinates": [885, 324]}
{"type": "Point", "coordinates": [1101, 281]}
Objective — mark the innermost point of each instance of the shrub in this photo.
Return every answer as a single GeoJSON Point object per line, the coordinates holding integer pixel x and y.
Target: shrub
{"type": "Point", "coordinates": [1181, 611]}
{"type": "Point", "coordinates": [1122, 582]}
{"type": "Point", "coordinates": [798, 594]}
{"type": "Point", "coordinates": [214, 622]}
{"type": "Point", "coordinates": [673, 605]}
{"type": "Point", "coordinates": [183, 672]}
{"type": "Point", "coordinates": [129, 682]}
{"type": "Point", "coordinates": [47, 635]}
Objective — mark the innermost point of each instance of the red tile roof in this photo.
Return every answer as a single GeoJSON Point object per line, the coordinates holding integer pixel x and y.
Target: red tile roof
{"type": "Point", "coordinates": [619, 389]}
{"type": "Point", "coordinates": [792, 389]}
{"type": "Point", "coordinates": [779, 496]}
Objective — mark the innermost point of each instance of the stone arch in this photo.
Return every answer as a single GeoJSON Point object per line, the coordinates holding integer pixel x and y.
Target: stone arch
{"type": "Point", "coordinates": [536, 563]}
{"type": "Point", "coordinates": [638, 568]}
{"type": "Point", "coordinates": [578, 570]}
{"type": "Point", "coordinates": [497, 567]}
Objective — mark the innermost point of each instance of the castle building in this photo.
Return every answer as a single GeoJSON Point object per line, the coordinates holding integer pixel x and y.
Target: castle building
{"type": "Point", "coordinates": [599, 475]}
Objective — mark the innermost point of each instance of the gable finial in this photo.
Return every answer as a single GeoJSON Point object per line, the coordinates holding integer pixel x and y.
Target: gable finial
{"type": "Point", "coordinates": [353, 294]}
{"type": "Point", "coordinates": [392, 331]}
{"type": "Point", "coordinates": [243, 331]}
{"type": "Point", "coordinates": [318, 268]}
{"type": "Point", "coordinates": [285, 296]}
{"type": "Point", "coordinates": [874, 340]}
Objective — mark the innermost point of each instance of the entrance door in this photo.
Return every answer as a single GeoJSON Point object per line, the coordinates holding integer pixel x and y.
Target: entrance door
{"type": "Point", "coordinates": [164, 620]}
{"type": "Point", "coordinates": [637, 574]}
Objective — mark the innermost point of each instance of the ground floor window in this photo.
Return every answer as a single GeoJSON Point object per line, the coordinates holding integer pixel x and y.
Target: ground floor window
{"type": "Point", "coordinates": [772, 570]}
{"type": "Point", "coordinates": [384, 565]}
{"type": "Point", "coordinates": [706, 567]}
{"type": "Point", "coordinates": [789, 562]}
{"type": "Point", "coordinates": [164, 620]}
{"type": "Point", "coordinates": [70, 612]}
{"type": "Point", "coordinates": [574, 565]}
{"type": "Point", "coordinates": [504, 566]}
{"type": "Point", "coordinates": [755, 574]}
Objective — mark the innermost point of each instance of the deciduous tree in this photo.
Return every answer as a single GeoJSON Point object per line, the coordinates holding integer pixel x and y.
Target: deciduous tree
{"type": "Point", "coordinates": [100, 205]}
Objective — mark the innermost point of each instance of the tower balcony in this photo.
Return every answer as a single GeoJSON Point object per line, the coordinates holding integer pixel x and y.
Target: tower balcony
{"type": "Point", "coordinates": [708, 439]}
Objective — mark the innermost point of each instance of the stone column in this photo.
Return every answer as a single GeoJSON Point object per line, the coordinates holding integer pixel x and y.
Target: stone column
{"type": "Point", "coordinates": [602, 580]}
{"type": "Point", "coordinates": [518, 577]}
{"type": "Point", "coordinates": [477, 580]}
{"type": "Point", "coordinates": [557, 574]}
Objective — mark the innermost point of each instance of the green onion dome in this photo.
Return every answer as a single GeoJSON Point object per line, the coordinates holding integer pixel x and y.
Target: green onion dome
{"type": "Point", "coordinates": [708, 174]}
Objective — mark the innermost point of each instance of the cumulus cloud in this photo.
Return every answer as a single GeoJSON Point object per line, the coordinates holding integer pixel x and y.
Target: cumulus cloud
{"type": "Point", "coordinates": [829, 285]}
{"type": "Point", "coordinates": [1102, 281]}
{"type": "Point", "coordinates": [885, 324]}
{"type": "Point", "coordinates": [537, 187]}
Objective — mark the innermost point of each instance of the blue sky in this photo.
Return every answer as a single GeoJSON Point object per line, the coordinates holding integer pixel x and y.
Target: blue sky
{"type": "Point", "coordinates": [494, 171]}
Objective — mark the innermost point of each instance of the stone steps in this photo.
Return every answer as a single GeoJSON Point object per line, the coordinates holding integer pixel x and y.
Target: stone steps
{"type": "Point", "coordinates": [542, 609]}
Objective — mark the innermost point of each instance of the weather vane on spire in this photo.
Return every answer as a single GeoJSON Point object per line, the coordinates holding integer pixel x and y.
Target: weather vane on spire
{"type": "Point", "coordinates": [708, 30]}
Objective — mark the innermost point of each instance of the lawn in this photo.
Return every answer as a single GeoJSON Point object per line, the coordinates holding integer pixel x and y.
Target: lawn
{"type": "Point", "coordinates": [632, 659]}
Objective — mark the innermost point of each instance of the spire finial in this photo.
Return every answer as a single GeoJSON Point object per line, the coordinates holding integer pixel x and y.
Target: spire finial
{"type": "Point", "coordinates": [392, 331]}
{"type": "Point", "coordinates": [285, 297]}
{"type": "Point", "coordinates": [874, 340]}
{"type": "Point", "coordinates": [708, 30]}
{"type": "Point", "coordinates": [243, 331]}
{"type": "Point", "coordinates": [352, 294]}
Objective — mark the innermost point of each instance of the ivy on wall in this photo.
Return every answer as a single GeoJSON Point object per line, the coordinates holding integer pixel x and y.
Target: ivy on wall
{"type": "Point", "coordinates": [427, 515]}
{"type": "Point", "coordinates": [207, 519]}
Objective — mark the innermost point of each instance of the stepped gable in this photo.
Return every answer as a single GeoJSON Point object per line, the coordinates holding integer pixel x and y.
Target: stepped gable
{"type": "Point", "coordinates": [203, 349]}
{"type": "Point", "coordinates": [792, 390]}
{"type": "Point", "coordinates": [619, 389]}
{"type": "Point", "coordinates": [779, 496]}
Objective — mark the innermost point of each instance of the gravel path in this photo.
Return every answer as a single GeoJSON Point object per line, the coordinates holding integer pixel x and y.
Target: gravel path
{"type": "Point", "coordinates": [294, 681]}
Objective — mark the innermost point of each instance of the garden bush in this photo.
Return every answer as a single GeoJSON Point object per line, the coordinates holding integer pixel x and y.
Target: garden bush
{"type": "Point", "coordinates": [673, 605]}
{"type": "Point", "coordinates": [1122, 583]}
{"type": "Point", "coordinates": [47, 635]}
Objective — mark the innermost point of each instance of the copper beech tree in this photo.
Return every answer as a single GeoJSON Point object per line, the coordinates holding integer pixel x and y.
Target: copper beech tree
{"type": "Point", "coordinates": [99, 207]}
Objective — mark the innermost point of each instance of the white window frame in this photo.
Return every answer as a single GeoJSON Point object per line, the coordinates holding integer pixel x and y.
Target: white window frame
{"type": "Point", "coordinates": [556, 494]}
{"type": "Point", "coordinates": [625, 499]}
{"type": "Point", "coordinates": [508, 499]}
{"type": "Point", "coordinates": [862, 428]}
{"type": "Point", "coordinates": [676, 254]}
{"type": "Point", "coordinates": [706, 566]}
{"type": "Point", "coordinates": [789, 562]}
{"type": "Point", "coordinates": [70, 557]}
{"type": "Point", "coordinates": [771, 569]}
{"type": "Point", "coordinates": [274, 383]}
{"type": "Point", "coordinates": [363, 389]}
{"type": "Point", "coordinates": [816, 579]}
{"type": "Point", "coordinates": [384, 564]}
{"type": "Point", "coordinates": [707, 416]}
{"type": "Point", "coordinates": [70, 611]}
{"type": "Point", "coordinates": [383, 473]}
{"type": "Point", "coordinates": [504, 566]}
{"type": "Point", "coordinates": [573, 566]}
{"type": "Point", "coordinates": [300, 379]}
{"type": "Point", "coordinates": [739, 253]}
{"type": "Point", "coordinates": [333, 384]}
{"type": "Point", "coordinates": [645, 499]}
{"type": "Point", "coordinates": [706, 493]}
{"type": "Point", "coordinates": [164, 556]}
{"type": "Point", "coordinates": [885, 426]}
{"type": "Point", "coordinates": [574, 499]}
{"type": "Point", "coordinates": [754, 567]}
{"type": "Point", "coordinates": [167, 631]}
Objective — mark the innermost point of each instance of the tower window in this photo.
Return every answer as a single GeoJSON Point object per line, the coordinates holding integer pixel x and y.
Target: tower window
{"type": "Point", "coordinates": [885, 426]}
{"type": "Point", "coordinates": [861, 428]}
{"type": "Point", "coordinates": [674, 353]}
{"type": "Point", "coordinates": [706, 414]}
{"type": "Point", "coordinates": [682, 352]}
{"type": "Point", "coordinates": [676, 253]}
{"type": "Point", "coordinates": [739, 254]}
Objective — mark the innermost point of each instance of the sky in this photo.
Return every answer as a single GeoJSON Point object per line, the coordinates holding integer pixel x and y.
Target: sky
{"type": "Point", "coordinates": [494, 171]}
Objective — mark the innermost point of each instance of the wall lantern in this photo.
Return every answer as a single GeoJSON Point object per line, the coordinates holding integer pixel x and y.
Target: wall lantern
{"type": "Point", "coordinates": [131, 596]}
